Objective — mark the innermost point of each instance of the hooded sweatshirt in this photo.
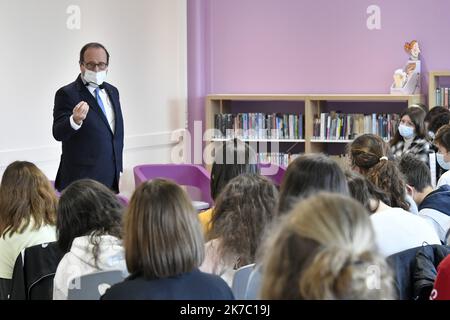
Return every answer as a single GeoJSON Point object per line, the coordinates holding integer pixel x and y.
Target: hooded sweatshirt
{"type": "Point", "coordinates": [80, 261]}
{"type": "Point", "coordinates": [436, 207]}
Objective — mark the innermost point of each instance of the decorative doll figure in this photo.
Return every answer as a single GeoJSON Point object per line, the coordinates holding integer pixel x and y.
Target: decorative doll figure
{"type": "Point", "coordinates": [413, 49]}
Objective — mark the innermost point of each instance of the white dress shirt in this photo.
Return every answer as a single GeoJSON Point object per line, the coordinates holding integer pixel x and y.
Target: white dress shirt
{"type": "Point", "coordinates": [106, 103]}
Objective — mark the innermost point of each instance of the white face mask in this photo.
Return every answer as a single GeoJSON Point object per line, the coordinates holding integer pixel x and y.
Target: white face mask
{"type": "Point", "coordinates": [96, 78]}
{"type": "Point", "coordinates": [405, 131]}
{"type": "Point", "coordinates": [441, 161]}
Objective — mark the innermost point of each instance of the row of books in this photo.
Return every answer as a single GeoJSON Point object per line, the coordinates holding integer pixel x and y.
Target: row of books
{"type": "Point", "coordinates": [284, 159]}
{"type": "Point", "coordinates": [442, 97]}
{"type": "Point", "coordinates": [258, 126]}
{"type": "Point", "coordinates": [279, 158]}
{"type": "Point", "coordinates": [339, 126]}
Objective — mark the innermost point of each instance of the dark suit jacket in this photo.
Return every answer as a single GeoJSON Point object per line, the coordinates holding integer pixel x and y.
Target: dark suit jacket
{"type": "Point", "coordinates": [93, 151]}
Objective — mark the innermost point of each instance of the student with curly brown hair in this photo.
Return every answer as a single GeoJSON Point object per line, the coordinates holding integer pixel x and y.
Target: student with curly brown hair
{"type": "Point", "coordinates": [232, 158]}
{"type": "Point", "coordinates": [325, 249]}
{"type": "Point", "coordinates": [371, 157]}
{"type": "Point", "coordinates": [243, 210]}
{"type": "Point", "coordinates": [89, 228]}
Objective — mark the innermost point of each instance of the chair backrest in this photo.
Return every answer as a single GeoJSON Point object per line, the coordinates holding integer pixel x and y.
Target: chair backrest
{"type": "Point", "coordinates": [123, 200]}
{"type": "Point", "coordinates": [182, 174]}
{"type": "Point", "coordinates": [240, 281]}
{"type": "Point", "coordinates": [273, 172]}
{"type": "Point", "coordinates": [34, 270]}
{"type": "Point", "coordinates": [403, 264]}
{"type": "Point", "coordinates": [254, 284]}
{"type": "Point", "coordinates": [58, 194]}
{"type": "Point", "coordinates": [93, 286]}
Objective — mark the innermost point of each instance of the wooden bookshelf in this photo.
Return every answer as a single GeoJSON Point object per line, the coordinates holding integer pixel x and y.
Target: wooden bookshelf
{"type": "Point", "coordinates": [314, 103]}
{"type": "Point", "coordinates": [432, 86]}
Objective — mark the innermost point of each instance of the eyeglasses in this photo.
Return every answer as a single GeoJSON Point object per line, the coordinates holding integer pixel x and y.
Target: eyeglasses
{"type": "Point", "coordinates": [91, 65]}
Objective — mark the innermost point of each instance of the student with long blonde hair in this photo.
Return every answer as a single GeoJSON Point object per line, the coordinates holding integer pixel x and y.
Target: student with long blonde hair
{"type": "Point", "coordinates": [324, 248]}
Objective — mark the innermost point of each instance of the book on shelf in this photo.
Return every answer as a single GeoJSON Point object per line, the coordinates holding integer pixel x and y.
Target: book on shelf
{"type": "Point", "coordinates": [442, 97]}
{"type": "Point", "coordinates": [340, 126]}
{"type": "Point", "coordinates": [284, 159]}
{"type": "Point", "coordinates": [279, 158]}
{"type": "Point", "coordinates": [258, 126]}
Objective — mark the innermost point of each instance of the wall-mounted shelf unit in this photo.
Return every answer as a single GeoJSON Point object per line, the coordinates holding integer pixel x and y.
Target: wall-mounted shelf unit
{"type": "Point", "coordinates": [433, 80]}
{"type": "Point", "coordinates": [309, 105]}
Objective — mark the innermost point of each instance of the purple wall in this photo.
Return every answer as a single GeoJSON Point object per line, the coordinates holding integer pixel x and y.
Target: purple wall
{"type": "Point", "coordinates": [311, 46]}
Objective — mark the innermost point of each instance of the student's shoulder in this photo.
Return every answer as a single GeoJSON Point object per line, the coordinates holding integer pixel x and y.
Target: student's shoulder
{"type": "Point", "coordinates": [215, 284]}
{"type": "Point", "coordinates": [126, 289]}
{"type": "Point", "coordinates": [444, 179]}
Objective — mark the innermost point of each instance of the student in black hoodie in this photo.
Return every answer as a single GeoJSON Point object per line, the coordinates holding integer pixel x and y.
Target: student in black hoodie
{"type": "Point", "coordinates": [432, 204]}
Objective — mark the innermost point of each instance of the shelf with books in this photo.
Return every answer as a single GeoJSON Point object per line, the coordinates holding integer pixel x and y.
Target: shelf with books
{"type": "Point", "coordinates": [260, 140]}
{"type": "Point", "coordinates": [264, 108]}
{"type": "Point", "coordinates": [438, 89]}
{"type": "Point", "coordinates": [331, 140]}
{"type": "Point", "coordinates": [333, 121]}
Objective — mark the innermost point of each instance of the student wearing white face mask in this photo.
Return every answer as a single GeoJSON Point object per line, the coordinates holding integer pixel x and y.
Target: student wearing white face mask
{"type": "Point", "coordinates": [440, 118]}
{"type": "Point", "coordinates": [442, 142]}
{"type": "Point", "coordinates": [410, 136]}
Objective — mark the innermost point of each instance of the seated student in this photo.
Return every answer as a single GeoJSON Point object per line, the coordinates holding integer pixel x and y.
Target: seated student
{"type": "Point", "coordinates": [243, 210]}
{"type": "Point", "coordinates": [411, 135]}
{"type": "Point", "coordinates": [232, 159]}
{"type": "Point", "coordinates": [433, 204]}
{"type": "Point", "coordinates": [307, 175]}
{"type": "Point", "coordinates": [435, 124]}
{"type": "Point", "coordinates": [27, 215]}
{"type": "Point", "coordinates": [370, 156]}
{"type": "Point", "coordinates": [442, 142]}
{"type": "Point", "coordinates": [433, 113]}
{"type": "Point", "coordinates": [396, 229]}
{"type": "Point", "coordinates": [89, 232]}
{"type": "Point", "coordinates": [164, 248]}
{"type": "Point", "coordinates": [324, 249]}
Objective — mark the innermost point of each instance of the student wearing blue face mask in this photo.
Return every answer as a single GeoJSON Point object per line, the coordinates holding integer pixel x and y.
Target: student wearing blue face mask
{"type": "Point", "coordinates": [410, 136]}
{"type": "Point", "coordinates": [442, 142]}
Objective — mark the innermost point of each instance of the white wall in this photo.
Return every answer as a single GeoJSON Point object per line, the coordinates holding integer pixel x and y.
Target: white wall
{"type": "Point", "coordinates": [40, 53]}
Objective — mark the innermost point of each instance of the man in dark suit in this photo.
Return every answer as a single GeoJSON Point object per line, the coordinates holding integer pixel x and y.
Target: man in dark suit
{"type": "Point", "coordinates": [87, 119]}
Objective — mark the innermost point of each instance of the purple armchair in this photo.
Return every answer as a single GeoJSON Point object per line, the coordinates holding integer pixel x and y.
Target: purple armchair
{"type": "Point", "coordinates": [273, 172]}
{"type": "Point", "coordinates": [183, 174]}
{"type": "Point", "coordinates": [123, 200]}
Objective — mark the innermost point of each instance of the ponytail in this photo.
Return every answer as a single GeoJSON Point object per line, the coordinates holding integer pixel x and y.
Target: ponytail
{"type": "Point", "coordinates": [386, 176]}
{"type": "Point", "coordinates": [339, 273]}
{"type": "Point", "coordinates": [370, 153]}
{"type": "Point", "coordinates": [325, 248]}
